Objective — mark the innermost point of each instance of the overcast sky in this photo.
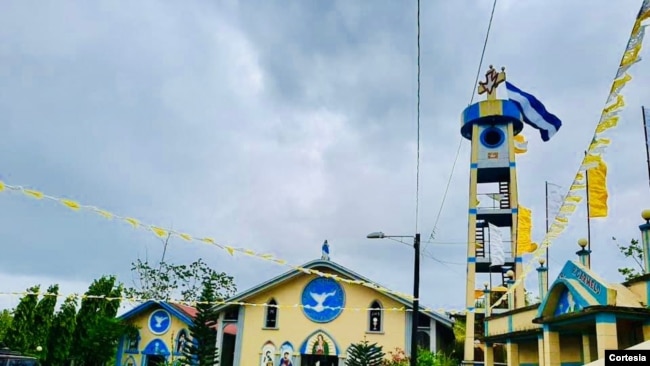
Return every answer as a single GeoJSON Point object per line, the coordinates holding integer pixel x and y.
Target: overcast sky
{"type": "Point", "coordinates": [274, 125]}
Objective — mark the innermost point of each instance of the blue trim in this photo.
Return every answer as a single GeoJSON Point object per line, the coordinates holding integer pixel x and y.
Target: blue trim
{"type": "Point", "coordinates": [647, 294]}
{"type": "Point", "coordinates": [239, 337]}
{"type": "Point", "coordinates": [472, 211]}
{"type": "Point", "coordinates": [519, 260]}
{"type": "Point", "coordinates": [572, 363]}
{"type": "Point", "coordinates": [510, 325]}
{"type": "Point", "coordinates": [605, 318]}
{"type": "Point", "coordinates": [120, 351]}
{"type": "Point", "coordinates": [473, 165]}
{"type": "Point", "coordinates": [149, 304]}
{"type": "Point", "coordinates": [470, 308]}
{"type": "Point", "coordinates": [341, 271]}
{"type": "Point", "coordinates": [472, 115]}
{"type": "Point", "coordinates": [515, 210]}
{"type": "Point", "coordinates": [303, 346]}
{"type": "Point", "coordinates": [513, 164]}
{"type": "Point", "coordinates": [471, 259]}
{"type": "Point", "coordinates": [529, 364]}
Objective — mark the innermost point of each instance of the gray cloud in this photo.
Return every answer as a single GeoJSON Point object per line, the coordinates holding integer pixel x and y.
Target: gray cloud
{"type": "Point", "coordinates": [275, 125]}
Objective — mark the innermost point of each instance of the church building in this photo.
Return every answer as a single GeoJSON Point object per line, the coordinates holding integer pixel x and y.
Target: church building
{"type": "Point", "coordinates": [314, 319]}
{"type": "Point", "coordinates": [579, 317]}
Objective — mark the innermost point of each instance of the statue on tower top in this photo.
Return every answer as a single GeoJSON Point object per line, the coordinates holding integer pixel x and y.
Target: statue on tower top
{"type": "Point", "coordinates": [325, 250]}
{"type": "Point", "coordinates": [493, 79]}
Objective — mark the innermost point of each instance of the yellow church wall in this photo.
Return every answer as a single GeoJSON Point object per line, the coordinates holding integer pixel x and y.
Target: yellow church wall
{"type": "Point", "coordinates": [293, 326]}
{"type": "Point", "coordinates": [571, 348]}
{"type": "Point", "coordinates": [141, 322]}
{"type": "Point", "coordinates": [640, 289]}
{"type": "Point", "coordinates": [528, 354]}
{"type": "Point", "coordinates": [524, 320]}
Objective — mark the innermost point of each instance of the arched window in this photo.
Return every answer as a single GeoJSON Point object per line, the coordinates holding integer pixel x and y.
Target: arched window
{"type": "Point", "coordinates": [132, 342]}
{"type": "Point", "coordinates": [424, 340]}
{"type": "Point", "coordinates": [375, 315]}
{"type": "Point", "coordinates": [271, 318]}
{"type": "Point", "coordinates": [181, 341]}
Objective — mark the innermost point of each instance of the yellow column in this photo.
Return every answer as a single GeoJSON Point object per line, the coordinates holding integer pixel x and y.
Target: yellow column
{"type": "Point", "coordinates": [606, 336]}
{"type": "Point", "coordinates": [512, 350]}
{"type": "Point", "coordinates": [646, 331]}
{"type": "Point", "coordinates": [551, 347]}
{"type": "Point", "coordinates": [586, 350]}
{"type": "Point", "coordinates": [540, 349]}
{"type": "Point", "coordinates": [489, 355]}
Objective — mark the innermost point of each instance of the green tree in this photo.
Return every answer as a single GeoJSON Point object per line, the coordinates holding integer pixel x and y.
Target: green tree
{"type": "Point", "coordinates": [61, 335]}
{"type": "Point", "coordinates": [5, 323]}
{"type": "Point", "coordinates": [202, 347]}
{"type": "Point", "coordinates": [97, 332]}
{"type": "Point", "coordinates": [634, 251]}
{"type": "Point", "coordinates": [43, 315]}
{"type": "Point", "coordinates": [20, 334]}
{"type": "Point", "coordinates": [365, 354]}
{"type": "Point", "coordinates": [165, 281]}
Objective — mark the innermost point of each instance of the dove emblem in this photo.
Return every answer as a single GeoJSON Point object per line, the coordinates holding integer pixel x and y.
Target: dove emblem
{"type": "Point", "coordinates": [320, 299]}
{"type": "Point", "coordinates": [159, 321]}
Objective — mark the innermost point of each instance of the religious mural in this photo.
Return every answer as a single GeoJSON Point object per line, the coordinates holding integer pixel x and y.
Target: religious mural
{"type": "Point", "coordinates": [268, 354]}
{"type": "Point", "coordinates": [286, 354]}
{"type": "Point", "coordinates": [567, 304]}
{"type": "Point", "coordinates": [181, 340]}
{"type": "Point", "coordinates": [320, 344]}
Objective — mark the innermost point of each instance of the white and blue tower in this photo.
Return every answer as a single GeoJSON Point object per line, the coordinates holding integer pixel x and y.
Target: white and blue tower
{"type": "Point", "coordinates": [491, 125]}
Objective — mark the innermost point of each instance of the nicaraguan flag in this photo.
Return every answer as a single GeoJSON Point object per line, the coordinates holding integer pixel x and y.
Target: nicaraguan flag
{"type": "Point", "coordinates": [534, 112]}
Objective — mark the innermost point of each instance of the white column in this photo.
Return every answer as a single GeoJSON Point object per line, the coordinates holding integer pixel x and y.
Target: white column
{"type": "Point", "coordinates": [433, 336]}
{"type": "Point", "coordinates": [220, 331]}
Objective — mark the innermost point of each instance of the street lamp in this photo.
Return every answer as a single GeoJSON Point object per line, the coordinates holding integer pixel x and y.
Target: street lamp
{"type": "Point", "coordinates": [416, 289]}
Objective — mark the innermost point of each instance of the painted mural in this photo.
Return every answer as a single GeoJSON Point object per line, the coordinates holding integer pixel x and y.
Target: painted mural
{"type": "Point", "coordinates": [286, 354]}
{"type": "Point", "coordinates": [323, 300]}
{"type": "Point", "coordinates": [320, 344]}
{"type": "Point", "coordinates": [159, 322]}
{"type": "Point", "coordinates": [567, 304]}
{"type": "Point", "coordinates": [268, 354]}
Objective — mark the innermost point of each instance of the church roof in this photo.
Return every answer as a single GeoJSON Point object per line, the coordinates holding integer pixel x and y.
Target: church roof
{"type": "Point", "coordinates": [277, 281]}
{"type": "Point", "coordinates": [185, 313]}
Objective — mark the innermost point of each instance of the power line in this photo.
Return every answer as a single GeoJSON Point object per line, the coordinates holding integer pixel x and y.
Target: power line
{"type": "Point", "coordinates": [417, 168]}
{"type": "Point", "coordinates": [460, 142]}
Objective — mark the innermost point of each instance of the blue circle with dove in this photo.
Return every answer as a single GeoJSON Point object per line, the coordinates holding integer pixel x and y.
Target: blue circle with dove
{"type": "Point", "coordinates": [323, 300]}
{"type": "Point", "coordinates": [159, 322]}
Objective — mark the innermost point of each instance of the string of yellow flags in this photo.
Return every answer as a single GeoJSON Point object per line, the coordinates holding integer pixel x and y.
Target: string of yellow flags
{"type": "Point", "coordinates": [134, 300]}
{"type": "Point", "coordinates": [593, 163]}
{"type": "Point", "coordinates": [163, 232]}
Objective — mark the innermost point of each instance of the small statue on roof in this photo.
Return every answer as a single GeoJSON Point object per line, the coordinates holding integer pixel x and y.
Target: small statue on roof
{"type": "Point", "coordinates": [325, 251]}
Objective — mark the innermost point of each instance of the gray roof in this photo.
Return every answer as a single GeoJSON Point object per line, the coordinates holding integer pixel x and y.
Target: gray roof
{"type": "Point", "coordinates": [276, 281]}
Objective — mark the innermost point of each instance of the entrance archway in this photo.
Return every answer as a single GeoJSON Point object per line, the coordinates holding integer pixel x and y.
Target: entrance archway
{"type": "Point", "coordinates": [319, 349]}
{"type": "Point", "coordinates": [155, 353]}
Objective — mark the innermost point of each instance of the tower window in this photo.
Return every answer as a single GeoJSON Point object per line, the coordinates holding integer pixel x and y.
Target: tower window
{"type": "Point", "coordinates": [271, 320]}
{"type": "Point", "coordinates": [375, 317]}
{"type": "Point", "coordinates": [492, 137]}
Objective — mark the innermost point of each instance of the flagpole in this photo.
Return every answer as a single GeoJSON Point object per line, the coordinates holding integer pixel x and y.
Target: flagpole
{"type": "Point", "coordinates": [547, 261]}
{"type": "Point", "coordinates": [645, 132]}
{"type": "Point", "coordinates": [588, 210]}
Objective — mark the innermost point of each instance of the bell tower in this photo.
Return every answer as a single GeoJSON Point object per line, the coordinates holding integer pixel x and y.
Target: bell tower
{"type": "Point", "coordinates": [491, 125]}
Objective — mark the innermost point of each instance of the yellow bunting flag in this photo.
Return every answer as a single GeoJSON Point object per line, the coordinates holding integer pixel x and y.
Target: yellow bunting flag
{"type": "Point", "coordinates": [524, 231]}
{"type": "Point", "coordinates": [597, 190]}
{"type": "Point", "coordinates": [521, 145]}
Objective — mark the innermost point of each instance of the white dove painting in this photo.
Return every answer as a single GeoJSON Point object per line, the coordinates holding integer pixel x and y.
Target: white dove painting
{"type": "Point", "coordinates": [159, 321]}
{"type": "Point", "coordinates": [323, 300]}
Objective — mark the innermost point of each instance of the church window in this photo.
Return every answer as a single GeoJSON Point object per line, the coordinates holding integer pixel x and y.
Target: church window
{"type": "Point", "coordinates": [375, 316]}
{"type": "Point", "coordinates": [132, 342]}
{"type": "Point", "coordinates": [271, 318]}
{"type": "Point", "coordinates": [424, 340]}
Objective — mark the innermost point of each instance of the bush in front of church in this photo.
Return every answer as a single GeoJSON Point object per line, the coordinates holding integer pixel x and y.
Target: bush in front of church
{"type": "Point", "coordinates": [365, 354]}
